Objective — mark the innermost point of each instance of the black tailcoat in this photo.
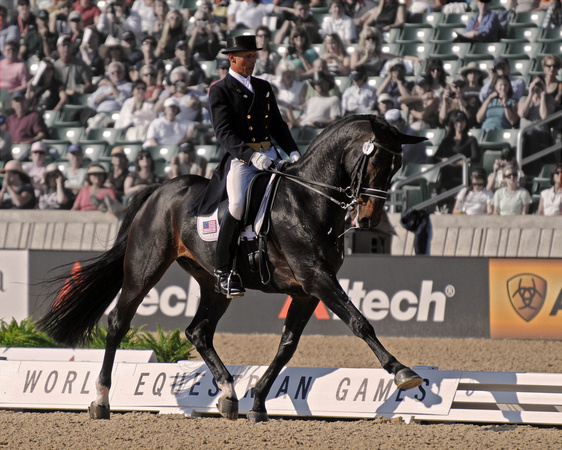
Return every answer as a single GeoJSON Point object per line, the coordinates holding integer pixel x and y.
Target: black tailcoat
{"type": "Point", "coordinates": [239, 117]}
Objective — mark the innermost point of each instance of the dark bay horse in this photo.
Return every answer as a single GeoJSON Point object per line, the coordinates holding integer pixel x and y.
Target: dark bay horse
{"type": "Point", "coordinates": [350, 163]}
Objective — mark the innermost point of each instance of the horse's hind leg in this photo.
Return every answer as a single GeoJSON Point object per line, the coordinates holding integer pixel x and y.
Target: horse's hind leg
{"type": "Point", "coordinates": [327, 288]}
{"type": "Point", "coordinates": [201, 331]}
{"type": "Point", "coordinates": [299, 314]}
{"type": "Point", "coordinates": [142, 272]}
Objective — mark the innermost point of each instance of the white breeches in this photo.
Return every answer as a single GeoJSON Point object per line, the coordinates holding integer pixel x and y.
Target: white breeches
{"type": "Point", "coordinates": [238, 180]}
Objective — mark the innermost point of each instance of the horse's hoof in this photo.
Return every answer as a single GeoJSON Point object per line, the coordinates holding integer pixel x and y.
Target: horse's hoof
{"type": "Point", "coordinates": [228, 408]}
{"type": "Point", "coordinates": [407, 379]}
{"type": "Point", "coordinates": [257, 416]}
{"type": "Point", "coordinates": [99, 411]}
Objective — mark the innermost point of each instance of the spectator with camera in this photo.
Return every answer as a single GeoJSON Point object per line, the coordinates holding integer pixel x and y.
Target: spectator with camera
{"type": "Point", "coordinates": [203, 41]}
{"type": "Point", "coordinates": [117, 18]}
{"type": "Point", "coordinates": [395, 82]}
{"type": "Point", "coordinates": [495, 179]}
{"type": "Point", "coordinates": [454, 98]}
{"type": "Point", "coordinates": [535, 107]}
{"type": "Point", "coordinates": [501, 67]}
{"type": "Point", "coordinates": [301, 18]}
{"type": "Point", "coordinates": [53, 193]}
{"type": "Point", "coordinates": [499, 110]}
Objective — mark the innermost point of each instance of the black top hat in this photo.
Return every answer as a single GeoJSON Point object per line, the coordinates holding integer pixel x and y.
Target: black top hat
{"type": "Point", "coordinates": [241, 44]}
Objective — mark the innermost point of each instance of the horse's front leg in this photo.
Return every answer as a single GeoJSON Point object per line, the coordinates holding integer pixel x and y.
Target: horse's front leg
{"type": "Point", "coordinates": [326, 287]}
{"type": "Point", "coordinates": [201, 332]}
{"type": "Point", "coordinates": [299, 314]}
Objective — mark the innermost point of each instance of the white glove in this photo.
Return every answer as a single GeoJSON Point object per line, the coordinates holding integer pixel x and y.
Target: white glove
{"type": "Point", "coordinates": [261, 161]}
{"type": "Point", "coordinates": [294, 156]}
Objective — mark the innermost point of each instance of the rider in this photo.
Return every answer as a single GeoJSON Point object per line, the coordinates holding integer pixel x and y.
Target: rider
{"type": "Point", "coordinates": [245, 118]}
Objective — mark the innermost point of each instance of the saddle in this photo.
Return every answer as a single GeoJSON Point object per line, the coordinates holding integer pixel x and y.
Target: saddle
{"type": "Point", "coordinates": [256, 223]}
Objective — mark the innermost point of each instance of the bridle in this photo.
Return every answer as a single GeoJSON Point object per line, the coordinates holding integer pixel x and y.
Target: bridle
{"type": "Point", "coordinates": [354, 191]}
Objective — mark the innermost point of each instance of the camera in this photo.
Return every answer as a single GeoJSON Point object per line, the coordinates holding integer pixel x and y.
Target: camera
{"type": "Point", "coordinates": [452, 94]}
{"type": "Point", "coordinates": [202, 23]}
{"type": "Point", "coordinates": [502, 165]}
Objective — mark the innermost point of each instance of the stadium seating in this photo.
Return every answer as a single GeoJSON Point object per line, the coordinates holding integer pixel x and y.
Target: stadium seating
{"type": "Point", "coordinates": [109, 135]}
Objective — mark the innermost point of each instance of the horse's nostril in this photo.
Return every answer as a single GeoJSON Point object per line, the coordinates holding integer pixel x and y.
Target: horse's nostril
{"type": "Point", "coordinates": [364, 223]}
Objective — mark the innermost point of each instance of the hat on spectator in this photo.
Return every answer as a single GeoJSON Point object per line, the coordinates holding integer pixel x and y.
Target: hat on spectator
{"type": "Point", "coordinates": [223, 64]}
{"type": "Point", "coordinates": [459, 80]}
{"type": "Point", "coordinates": [38, 147]}
{"type": "Point", "coordinates": [358, 74]}
{"type": "Point", "coordinates": [74, 148]}
{"type": "Point", "coordinates": [112, 42]}
{"type": "Point", "coordinates": [385, 97]}
{"type": "Point", "coordinates": [43, 14]}
{"type": "Point", "coordinates": [62, 39]}
{"type": "Point", "coordinates": [473, 67]}
{"type": "Point", "coordinates": [75, 16]}
{"type": "Point", "coordinates": [171, 101]}
{"type": "Point", "coordinates": [118, 151]}
{"type": "Point", "coordinates": [94, 169]}
{"type": "Point", "coordinates": [129, 36]}
{"type": "Point", "coordinates": [393, 115]}
{"type": "Point", "coordinates": [186, 147]}
{"type": "Point", "coordinates": [181, 44]}
{"type": "Point", "coordinates": [319, 77]}
{"type": "Point", "coordinates": [53, 167]}
{"type": "Point", "coordinates": [15, 166]}
{"type": "Point", "coordinates": [18, 95]}
{"type": "Point", "coordinates": [240, 43]}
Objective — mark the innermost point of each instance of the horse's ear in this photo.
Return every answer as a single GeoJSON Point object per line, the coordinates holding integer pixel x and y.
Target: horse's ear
{"type": "Point", "coordinates": [408, 139]}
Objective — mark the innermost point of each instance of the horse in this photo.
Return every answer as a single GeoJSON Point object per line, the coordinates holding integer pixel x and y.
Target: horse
{"type": "Point", "coordinates": [349, 165]}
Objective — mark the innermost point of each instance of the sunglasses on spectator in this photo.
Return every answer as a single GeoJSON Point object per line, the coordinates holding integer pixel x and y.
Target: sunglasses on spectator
{"type": "Point", "coordinates": [115, 72]}
{"type": "Point", "coordinates": [556, 172]}
{"type": "Point", "coordinates": [550, 66]}
{"type": "Point", "coordinates": [149, 74]}
{"type": "Point", "coordinates": [510, 175]}
{"type": "Point", "coordinates": [143, 157]}
{"type": "Point", "coordinates": [478, 184]}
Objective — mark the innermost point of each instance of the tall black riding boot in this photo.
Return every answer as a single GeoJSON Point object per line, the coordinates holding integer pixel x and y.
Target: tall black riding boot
{"type": "Point", "coordinates": [228, 282]}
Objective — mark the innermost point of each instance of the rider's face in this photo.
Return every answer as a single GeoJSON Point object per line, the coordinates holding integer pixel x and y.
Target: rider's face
{"type": "Point", "coordinates": [243, 62]}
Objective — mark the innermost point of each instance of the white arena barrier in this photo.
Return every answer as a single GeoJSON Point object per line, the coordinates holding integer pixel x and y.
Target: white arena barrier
{"type": "Point", "coordinates": [187, 387]}
{"type": "Point", "coordinates": [74, 354]}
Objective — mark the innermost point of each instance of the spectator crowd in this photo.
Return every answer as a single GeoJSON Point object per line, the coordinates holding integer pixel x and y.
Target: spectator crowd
{"type": "Point", "coordinates": [143, 68]}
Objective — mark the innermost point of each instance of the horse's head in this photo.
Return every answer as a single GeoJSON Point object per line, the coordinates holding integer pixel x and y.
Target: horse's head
{"type": "Point", "coordinates": [383, 162]}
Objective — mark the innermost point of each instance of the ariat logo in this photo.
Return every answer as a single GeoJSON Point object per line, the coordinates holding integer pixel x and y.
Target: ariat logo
{"type": "Point", "coordinates": [527, 293]}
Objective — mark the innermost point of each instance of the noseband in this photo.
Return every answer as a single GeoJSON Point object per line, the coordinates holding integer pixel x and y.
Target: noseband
{"type": "Point", "coordinates": [355, 190]}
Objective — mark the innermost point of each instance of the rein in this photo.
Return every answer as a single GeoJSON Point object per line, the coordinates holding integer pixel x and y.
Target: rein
{"type": "Point", "coordinates": [355, 189]}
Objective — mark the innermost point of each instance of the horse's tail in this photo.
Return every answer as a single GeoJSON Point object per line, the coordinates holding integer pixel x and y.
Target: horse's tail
{"type": "Point", "coordinates": [91, 288]}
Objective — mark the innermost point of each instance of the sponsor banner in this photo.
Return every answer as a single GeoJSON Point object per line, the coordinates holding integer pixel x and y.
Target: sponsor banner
{"type": "Point", "coordinates": [525, 298]}
{"type": "Point", "coordinates": [400, 296]}
{"type": "Point", "coordinates": [188, 386]}
{"type": "Point", "coordinates": [14, 276]}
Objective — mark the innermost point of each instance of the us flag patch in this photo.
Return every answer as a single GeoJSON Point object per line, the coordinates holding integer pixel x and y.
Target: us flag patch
{"type": "Point", "coordinates": [209, 226]}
